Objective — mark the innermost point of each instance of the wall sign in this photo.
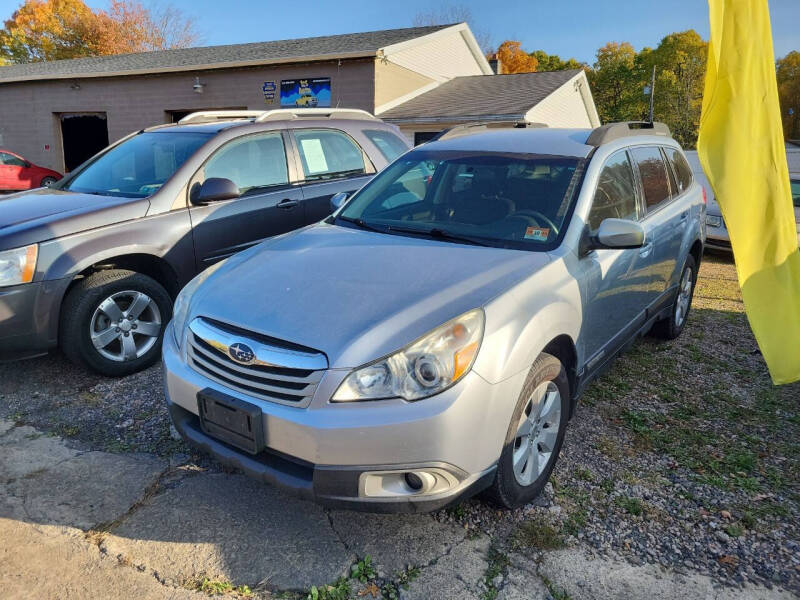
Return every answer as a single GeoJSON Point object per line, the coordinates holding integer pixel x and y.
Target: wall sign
{"type": "Point", "coordinates": [306, 93]}
{"type": "Point", "coordinates": [269, 89]}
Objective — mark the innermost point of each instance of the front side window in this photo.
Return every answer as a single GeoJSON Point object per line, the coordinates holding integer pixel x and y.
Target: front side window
{"type": "Point", "coordinates": [388, 143]}
{"type": "Point", "coordinates": [328, 154]}
{"type": "Point", "coordinates": [10, 160]}
{"type": "Point", "coordinates": [139, 166]}
{"type": "Point", "coordinates": [683, 172]}
{"type": "Point", "coordinates": [253, 162]}
{"type": "Point", "coordinates": [615, 197]}
{"type": "Point", "coordinates": [653, 173]}
{"type": "Point", "coordinates": [496, 199]}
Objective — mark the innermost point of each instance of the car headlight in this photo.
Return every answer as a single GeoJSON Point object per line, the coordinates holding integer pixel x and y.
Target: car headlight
{"type": "Point", "coordinates": [181, 308]}
{"type": "Point", "coordinates": [426, 367]}
{"type": "Point", "coordinates": [714, 221]}
{"type": "Point", "coordinates": [18, 265]}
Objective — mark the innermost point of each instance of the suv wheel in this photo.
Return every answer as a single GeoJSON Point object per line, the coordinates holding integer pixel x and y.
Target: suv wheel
{"type": "Point", "coordinates": [48, 181]}
{"type": "Point", "coordinates": [535, 435]}
{"type": "Point", "coordinates": [113, 322]}
{"type": "Point", "coordinates": [672, 326]}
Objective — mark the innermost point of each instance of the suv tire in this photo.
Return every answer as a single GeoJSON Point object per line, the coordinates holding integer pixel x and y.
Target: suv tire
{"type": "Point", "coordinates": [124, 312]}
{"type": "Point", "coordinates": [671, 327]}
{"type": "Point", "coordinates": [543, 410]}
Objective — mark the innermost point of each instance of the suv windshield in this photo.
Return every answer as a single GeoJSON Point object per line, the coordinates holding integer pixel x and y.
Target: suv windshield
{"type": "Point", "coordinates": [506, 200]}
{"type": "Point", "coordinates": [138, 167]}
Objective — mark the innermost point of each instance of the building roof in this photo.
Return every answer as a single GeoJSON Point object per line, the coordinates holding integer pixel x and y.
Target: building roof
{"type": "Point", "coordinates": [480, 97]}
{"type": "Point", "coordinates": [350, 45]}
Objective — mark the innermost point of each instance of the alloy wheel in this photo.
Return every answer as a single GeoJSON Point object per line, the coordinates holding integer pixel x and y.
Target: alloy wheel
{"type": "Point", "coordinates": [537, 433]}
{"type": "Point", "coordinates": [125, 326]}
{"type": "Point", "coordinates": [684, 297]}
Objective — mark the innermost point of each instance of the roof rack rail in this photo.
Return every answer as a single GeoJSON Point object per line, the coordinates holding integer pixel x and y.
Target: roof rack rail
{"type": "Point", "coordinates": [209, 116]}
{"type": "Point", "coordinates": [468, 128]}
{"type": "Point", "coordinates": [279, 114]}
{"type": "Point", "coordinates": [614, 131]}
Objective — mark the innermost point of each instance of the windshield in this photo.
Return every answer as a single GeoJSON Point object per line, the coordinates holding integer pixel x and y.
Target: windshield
{"type": "Point", "coordinates": [138, 167]}
{"type": "Point", "coordinates": [505, 200]}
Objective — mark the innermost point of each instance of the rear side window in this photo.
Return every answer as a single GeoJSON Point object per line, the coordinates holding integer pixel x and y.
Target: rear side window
{"type": "Point", "coordinates": [796, 192]}
{"type": "Point", "coordinates": [683, 172]}
{"type": "Point", "coordinates": [328, 154]}
{"type": "Point", "coordinates": [11, 160]}
{"type": "Point", "coordinates": [653, 173]}
{"type": "Point", "coordinates": [388, 143]}
{"type": "Point", "coordinates": [615, 197]}
{"type": "Point", "coordinates": [252, 162]}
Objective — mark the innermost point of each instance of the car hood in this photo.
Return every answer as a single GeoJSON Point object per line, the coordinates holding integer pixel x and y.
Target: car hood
{"type": "Point", "coordinates": [356, 295]}
{"type": "Point", "coordinates": [44, 214]}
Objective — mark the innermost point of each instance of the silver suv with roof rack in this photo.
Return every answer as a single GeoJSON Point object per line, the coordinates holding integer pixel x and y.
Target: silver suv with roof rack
{"type": "Point", "coordinates": [95, 261]}
{"type": "Point", "coordinates": [432, 337]}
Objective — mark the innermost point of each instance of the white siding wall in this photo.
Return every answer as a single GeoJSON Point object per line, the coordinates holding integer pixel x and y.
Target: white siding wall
{"type": "Point", "coordinates": [443, 57]}
{"type": "Point", "coordinates": [567, 107]}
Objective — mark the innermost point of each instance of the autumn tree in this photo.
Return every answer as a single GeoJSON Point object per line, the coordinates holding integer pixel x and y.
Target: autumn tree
{"type": "Point", "coordinates": [56, 29]}
{"type": "Point", "coordinates": [553, 62]}
{"type": "Point", "coordinates": [788, 72]}
{"type": "Point", "coordinates": [513, 59]}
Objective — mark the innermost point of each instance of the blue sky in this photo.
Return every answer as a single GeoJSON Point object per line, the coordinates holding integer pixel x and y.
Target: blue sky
{"type": "Point", "coordinates": [570, 28]}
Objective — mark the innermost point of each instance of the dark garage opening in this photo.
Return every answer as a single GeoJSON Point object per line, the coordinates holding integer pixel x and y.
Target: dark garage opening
{"type": "Point", "coordinates": [83, 135]}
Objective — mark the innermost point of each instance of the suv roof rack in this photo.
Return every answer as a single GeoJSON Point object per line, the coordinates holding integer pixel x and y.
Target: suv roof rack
{"type": "Point", "coordinates": [614, 131]}
{"type": "Point", "coordinates": [468, 128]}
{"type": "Point", "coordinates": [278, 114]}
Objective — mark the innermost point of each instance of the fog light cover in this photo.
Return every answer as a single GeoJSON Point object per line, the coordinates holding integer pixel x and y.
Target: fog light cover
{"type": "Point", "coordinates": [423, 481]}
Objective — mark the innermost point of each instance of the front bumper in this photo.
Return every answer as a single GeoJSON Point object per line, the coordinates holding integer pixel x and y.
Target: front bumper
{"type": "Point", "coordinates": [321, 451]}
{"type": "Point", "coordinates": [29, 316]}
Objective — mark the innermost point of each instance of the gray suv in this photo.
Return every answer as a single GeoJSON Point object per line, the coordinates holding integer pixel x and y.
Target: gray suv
{"type": "Point", "coordinates": [431, 338]}
{"type": "Point", "coordinates": [95, 261]}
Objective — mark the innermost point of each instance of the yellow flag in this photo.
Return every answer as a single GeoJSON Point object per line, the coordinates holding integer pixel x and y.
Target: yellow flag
{"type": "Point", "coordinates": [742, 151]}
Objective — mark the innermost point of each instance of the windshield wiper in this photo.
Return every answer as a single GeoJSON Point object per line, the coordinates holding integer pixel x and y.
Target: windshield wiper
{"type": "Point", "coordinates": [436, 232]}
{"type": "Point", "coordinates": [363, 224]}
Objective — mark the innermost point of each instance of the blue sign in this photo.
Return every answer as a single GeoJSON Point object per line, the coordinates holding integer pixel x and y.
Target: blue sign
{"type": "Point", "coordinates": [306, 93]}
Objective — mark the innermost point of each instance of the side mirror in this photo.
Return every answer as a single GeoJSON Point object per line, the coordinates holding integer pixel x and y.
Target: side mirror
{"type": "Point", "coordinates": [337, 200]}
{"type": "Point", "coordinates": [618, 233]}
{"type": "Point", "coordinates": [215, 189]}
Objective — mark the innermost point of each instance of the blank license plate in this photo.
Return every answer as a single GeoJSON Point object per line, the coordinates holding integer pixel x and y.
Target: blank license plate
{"type": "Point", "coordinates": [231, 420]}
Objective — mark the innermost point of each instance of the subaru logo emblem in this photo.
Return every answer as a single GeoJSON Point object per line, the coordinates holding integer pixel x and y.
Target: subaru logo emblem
{"type": "Point", "coordinates": [241, 353]}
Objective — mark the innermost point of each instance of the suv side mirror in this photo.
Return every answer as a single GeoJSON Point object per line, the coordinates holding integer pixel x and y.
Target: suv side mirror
{"type": "Point", "coordinates": [337, 200]}
{"type": "Point", "coordinates": [617, 233]}
{"type": "Point", "coordinates": [215, 189]}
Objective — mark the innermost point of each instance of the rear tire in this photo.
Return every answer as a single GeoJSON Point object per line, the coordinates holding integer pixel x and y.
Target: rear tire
{"type": "Point", "coordinates": [671, 327]}
{"type": "Point", "coordinates": [113, 322]}
{"type": "Point", "coordinates": [527, 459]}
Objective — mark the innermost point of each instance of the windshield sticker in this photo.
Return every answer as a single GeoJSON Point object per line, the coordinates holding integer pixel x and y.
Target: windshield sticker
{"type": "Point", "coordinates": [537, 233]}
{"type": "Point", "coordinates": [315, 157]}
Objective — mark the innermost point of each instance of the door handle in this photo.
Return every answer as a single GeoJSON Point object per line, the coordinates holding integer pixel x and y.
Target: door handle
{"type": "Point", "coordinates": [645, 250]}
{"type": "Point", "coordinates": [684, 216]}
{"type": "Point", "coordinates": [287, 203]}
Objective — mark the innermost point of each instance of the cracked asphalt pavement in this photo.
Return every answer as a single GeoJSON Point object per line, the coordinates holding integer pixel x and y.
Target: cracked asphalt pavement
{"type": "Point", "coordinates": [88, 524]}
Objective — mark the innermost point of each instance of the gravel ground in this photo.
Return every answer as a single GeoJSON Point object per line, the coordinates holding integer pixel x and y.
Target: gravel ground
{"type": "Point", "coordinates": [683, 455]}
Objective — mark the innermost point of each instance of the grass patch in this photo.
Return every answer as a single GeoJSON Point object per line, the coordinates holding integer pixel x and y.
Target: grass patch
{"type": "Point", "coordinates": [498, 564]}
{"type": "Point", "coordinates": [538, 533]}
{"type": "Point", "coordinates": [220, 587]}
{"type": "Point", "coordinates": [632, 506]}
{"type": "Point", "coordinates": [339, 590]}
{"type": "Point", "coordinates": [363, 570]}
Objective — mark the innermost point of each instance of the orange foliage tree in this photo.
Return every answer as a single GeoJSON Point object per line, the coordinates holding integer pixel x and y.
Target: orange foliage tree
{"type": "Point", "coordinates": [513, 59]}
{"type": "Point", "coordinates": [56, 29]}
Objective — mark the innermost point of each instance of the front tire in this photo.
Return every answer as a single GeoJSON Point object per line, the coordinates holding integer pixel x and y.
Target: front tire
{"type": "Point", "coordinates": [671, 327]}
{"type": "Point", "coordinates": [113, 322]}
{"type": "Point", "coordinates": [47, 181]}
{"type": "Point", "coordinates": [535, 435]}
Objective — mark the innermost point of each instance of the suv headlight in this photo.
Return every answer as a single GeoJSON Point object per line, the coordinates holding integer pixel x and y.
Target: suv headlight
{"type": "Point", "coordinates": [18, 265]}
{"type": "Point", "coordinates": [426, 367]}
{"type": "Point", "coordinates": [181, 308]}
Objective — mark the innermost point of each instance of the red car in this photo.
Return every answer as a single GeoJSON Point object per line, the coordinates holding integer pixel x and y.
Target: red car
{"type": "Point", "coordinates": [16, 173]}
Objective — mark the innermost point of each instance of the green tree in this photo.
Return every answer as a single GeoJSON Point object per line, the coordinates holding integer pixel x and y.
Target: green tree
{"type": "Point", "coordinates": [788, 73]}
{"type": "Point", "coordinates": [616, 83]}
{"type": "Point", "coordinates": [680, 62]}
{"type": "Point", "coordinates": [553, 62]}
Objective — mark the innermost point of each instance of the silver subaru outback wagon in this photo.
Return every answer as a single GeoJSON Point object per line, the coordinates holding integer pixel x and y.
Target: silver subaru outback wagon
{"type": "Point", "coordinates": [430, 339]}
